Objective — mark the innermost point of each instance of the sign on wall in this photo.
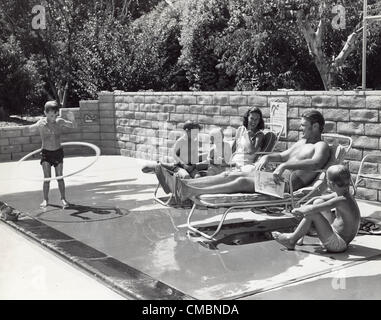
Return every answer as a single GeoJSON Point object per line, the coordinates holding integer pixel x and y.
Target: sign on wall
{"type": "Point", "coordinates": [278, 114]}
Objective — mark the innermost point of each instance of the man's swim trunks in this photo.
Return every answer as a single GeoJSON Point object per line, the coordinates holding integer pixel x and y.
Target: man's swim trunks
{"type": "Point", "coordinates": [54, 158]}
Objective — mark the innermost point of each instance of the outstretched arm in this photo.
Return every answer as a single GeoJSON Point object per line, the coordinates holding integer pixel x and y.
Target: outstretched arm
{"type": "Point", "coordinates": [324, 206]}
{"type": "Point", "coordinates": [32, 129]}
{"type": "Point", "coordinates": [68, 124]}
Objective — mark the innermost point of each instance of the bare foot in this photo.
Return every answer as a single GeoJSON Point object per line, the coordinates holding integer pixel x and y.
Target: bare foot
{"type": "Point", "coordinates": [65, 204]}
{"type": "Point", "coordinates": [284, 239]}
{"type": "Point", "coordinates": [149, 167]}
{"type": "Point", "coordinates": [44, 204]}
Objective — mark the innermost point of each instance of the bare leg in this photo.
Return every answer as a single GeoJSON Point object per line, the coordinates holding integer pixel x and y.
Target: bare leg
{"type": "Point", "coordinates": [46, 167]}
{"type": "Point", "coordinates": [326, 214]}
{"type": "Point", "coordinates": [322, 226]}
{"type": "Point", "coordinates": [61, 184]}
{"type": "Point", "coordinates": [239, 184]}
{"type": "Point", "coordinates": [210, 181]}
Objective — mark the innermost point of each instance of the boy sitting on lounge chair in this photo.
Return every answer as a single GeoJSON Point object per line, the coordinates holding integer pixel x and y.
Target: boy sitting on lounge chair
{"type": "Point", "coordinates": [185, 153]}
{"type": "Point", "coordinates": [334, 235]}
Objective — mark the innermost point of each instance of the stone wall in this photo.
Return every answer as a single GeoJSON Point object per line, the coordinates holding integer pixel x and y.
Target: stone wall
{"type": "Point", "coordinates": [143, 120]}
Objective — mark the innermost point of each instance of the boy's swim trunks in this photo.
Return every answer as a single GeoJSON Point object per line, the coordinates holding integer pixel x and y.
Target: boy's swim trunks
{"type": "Point", "coordinates": [54, 158]}
{"type": "Point", "coordinates": [335, 243]}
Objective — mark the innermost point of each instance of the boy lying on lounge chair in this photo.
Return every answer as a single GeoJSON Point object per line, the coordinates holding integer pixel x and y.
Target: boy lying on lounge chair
{"type": "Point", "coordinates": [308, 154]}
{"type": "Point", "coordinates": [334, 235]}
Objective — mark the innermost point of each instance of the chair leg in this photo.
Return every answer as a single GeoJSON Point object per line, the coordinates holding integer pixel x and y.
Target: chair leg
{"type": "Point", "coordinates": [209, 237]}
{"type": "Point", "coordinates": [157, 199]}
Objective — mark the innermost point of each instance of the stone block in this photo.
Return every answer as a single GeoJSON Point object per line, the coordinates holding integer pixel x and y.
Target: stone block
{"type": "Point", "coordinates": [19, 140]}
{"type": "Point", "coordinates": [221, 99]}
{"type": "Point", "coordinates": [10, 149]}
{"type": "Point", "coordinates": [351, 102]}
{"type": "Point", "coordinates": [300, 101]}
{"type": "Point", "coordinates": [373, 102]}
{"type": "Point", "coordinates": [235, 121]}
{"type": "Point", "coordinates": [324, 102]}
{"type": "Point", "coordinates": [336, 114]}
{"type": "Point", "coordinates": [196, 109]}
{"type": "Point", "coordinates": [121, 106]}
{"type": "Point", "coordinates": [168, 108]}
{"type": "Point", "coordinates": [10, 133]}
{"type": "Point", "coordinates": [182, 108]}
{"type": "Point", "coordinates": [133, 106]}
{"type": "Point", "coordinates": [4, 142]}
{"type": "Point", "coordinates": [373, 129]}
{"type": "Point", "coordinates": [145, 123]}
{"type": "Point", "coordinates": [365, 142]}
{"type": "Point", "coordinates": [257, 101]}
{"type": "Point", "coordinates": [138, 99]}
{"type": "Point", "coordinates": [140, 115]}
{"type": "Point", "coordinates": [107, 121]}
{"type": "Point", "coordinates": [364, 115]}
{"type": "Point", "coordinates": [146, 107]}
{"type": "Point", "coordinates": [238, 100]}
{"type": "Point", "coordinates": [215, 110]}
{"type": "Point", "coordinates": [350, 128]}
{"type": "Point", "coordinates": [229, 111]}
{"type": "Point", "coordinates": [175, 100]}
{"type": "Point", "coordinates": [205, 119]}
{"type": "Point", "coordinates": [204, 99]}
{"type": "Point", "coordinates": [177, 117]}
{"type": "Point", "coordinates": [188, 99]}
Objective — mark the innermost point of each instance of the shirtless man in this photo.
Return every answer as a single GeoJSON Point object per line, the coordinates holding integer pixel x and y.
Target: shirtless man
{"type": "Point", "coordinates": [50, 129]}
{"type": "Point", "coordinates": [334, 235]}
{"type": "Point", "coordinates": [308, 154]}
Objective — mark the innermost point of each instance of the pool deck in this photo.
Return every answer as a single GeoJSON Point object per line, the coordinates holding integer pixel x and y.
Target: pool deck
{"type": "Point", "coordinates": [117, 233]}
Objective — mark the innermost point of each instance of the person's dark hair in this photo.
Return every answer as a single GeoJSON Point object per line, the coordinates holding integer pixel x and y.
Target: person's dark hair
{"type": "Point", "coordinates": [189, 125]}
{"type": "Point", "coordinates": [315, 116]}
{"type": "Point", "coordinates": [261, 124]}
{"type": "Point", "coordinates": [51, 106]}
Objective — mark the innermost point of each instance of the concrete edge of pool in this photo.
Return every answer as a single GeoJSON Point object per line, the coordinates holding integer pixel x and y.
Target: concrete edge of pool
{"type": "Point", "coordinates": [120, 277]}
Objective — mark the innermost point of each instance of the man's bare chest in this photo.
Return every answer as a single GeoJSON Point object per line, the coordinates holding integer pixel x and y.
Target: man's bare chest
{"type": "Point", "coordinates": [305, 151]}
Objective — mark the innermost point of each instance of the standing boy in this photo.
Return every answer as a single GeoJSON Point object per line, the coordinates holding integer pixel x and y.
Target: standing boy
{"type": "Point", "coordinates": [50, 129]}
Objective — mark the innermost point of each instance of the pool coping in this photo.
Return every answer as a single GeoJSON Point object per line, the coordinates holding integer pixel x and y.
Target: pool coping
{"type": "Point", "coordinates": [122, 278]}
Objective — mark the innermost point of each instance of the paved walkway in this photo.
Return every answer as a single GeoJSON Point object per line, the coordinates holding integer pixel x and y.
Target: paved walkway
{"type": "Point", "coordinates": [116, 231]}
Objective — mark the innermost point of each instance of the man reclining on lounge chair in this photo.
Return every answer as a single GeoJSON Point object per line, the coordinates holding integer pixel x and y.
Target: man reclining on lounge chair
{"type": "Point", "coordinates": [308, 154]}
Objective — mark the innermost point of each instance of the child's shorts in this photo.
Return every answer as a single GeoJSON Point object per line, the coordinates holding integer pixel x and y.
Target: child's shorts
{"type": "Point", "coordinates": [335, 243]}
{"type": "Point", "coordinates": [54, 158]}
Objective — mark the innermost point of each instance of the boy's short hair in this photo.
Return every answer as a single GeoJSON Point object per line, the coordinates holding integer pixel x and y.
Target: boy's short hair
{"type": "Point", "coordinates": [51, 105]}
{"type": "Point", "coordinates": [339, 175]}
{"type": "Point", "coordinates": [315, 116]}
{"type": "Point", "coordinates": [189, 125]}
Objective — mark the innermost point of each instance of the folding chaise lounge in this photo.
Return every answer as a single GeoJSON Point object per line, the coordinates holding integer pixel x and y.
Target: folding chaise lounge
{"type": "Point", "coordinates": [339, 147]}
{"type": "Point", "coordinates": [272, 136]}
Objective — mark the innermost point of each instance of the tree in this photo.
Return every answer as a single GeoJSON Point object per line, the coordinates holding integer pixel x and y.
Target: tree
{"type": "Point", "coordinates": [330, 48]}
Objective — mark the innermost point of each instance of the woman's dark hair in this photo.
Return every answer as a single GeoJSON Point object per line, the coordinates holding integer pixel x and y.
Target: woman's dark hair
{"type": "Point", "coordinates": [261, 124]}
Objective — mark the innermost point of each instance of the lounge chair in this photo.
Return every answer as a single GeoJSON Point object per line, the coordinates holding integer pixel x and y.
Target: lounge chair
{"type": "Point", "coordinates": [270, 140]}
{"type": "Point", "coordinates": [339, 147]}
{"type": "Point", "coordinates": [370, 176]}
